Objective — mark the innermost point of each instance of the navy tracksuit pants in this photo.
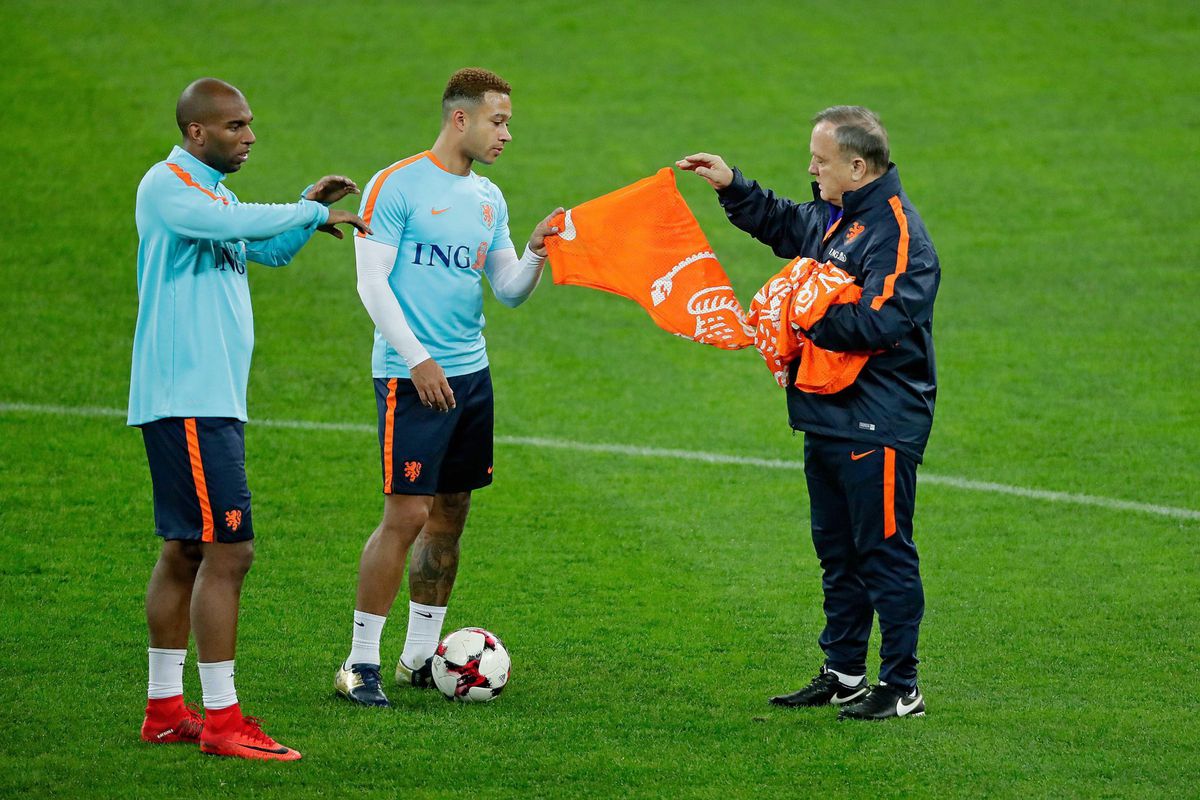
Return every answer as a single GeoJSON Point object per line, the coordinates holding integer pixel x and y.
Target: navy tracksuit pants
{"type": "Point", "coordinates": [862, 498]}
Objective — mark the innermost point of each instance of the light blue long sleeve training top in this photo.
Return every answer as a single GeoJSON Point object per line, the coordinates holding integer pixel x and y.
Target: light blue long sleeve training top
{"type": "Point", "coordinates": [195, 326]}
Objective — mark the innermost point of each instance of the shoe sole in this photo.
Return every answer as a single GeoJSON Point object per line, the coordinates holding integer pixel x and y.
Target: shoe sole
{"type": "Point", "coordinates": [842, 717]}
{"type": "Point", "coordinates": [264, 757]}
{"type": "Point", "coordinates": [357, 702]}
{"type": "Point", "coordinates": [833, 701]}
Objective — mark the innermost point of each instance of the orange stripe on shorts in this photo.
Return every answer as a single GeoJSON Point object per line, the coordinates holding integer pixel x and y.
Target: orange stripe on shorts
{"type": "Point", "coordinates": [389, 432]}
{"type": "Point", "coordinates": [193, 446]}
{"type": "Point", "coordinates": [889, 492]}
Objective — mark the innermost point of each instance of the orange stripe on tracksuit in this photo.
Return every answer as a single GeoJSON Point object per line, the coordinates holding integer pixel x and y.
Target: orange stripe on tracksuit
{"type": "Point", "coordinates": [183, 175]}
{"type": "Point", "coordinates": [389, 432]}
{"type": "Point", "coordinates": [889, 283]}
{"type": "Point", "coordinates": [369, 206]}
{"type": "Point", "coordinates": [193, 446]}
{"type": "Point", "coordinates": [889, 492]}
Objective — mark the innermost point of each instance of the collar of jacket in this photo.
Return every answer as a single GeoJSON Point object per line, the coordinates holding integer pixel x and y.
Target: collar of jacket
{"type": "Point", "coordinates": [202, 172]}
{"type": "Point", "coordinates": [874, 193]}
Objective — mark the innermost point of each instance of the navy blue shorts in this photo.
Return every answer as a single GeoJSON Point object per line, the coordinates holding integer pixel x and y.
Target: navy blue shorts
{"type": "Point", "coordinates": [198, 469]}
{"type": "Point", "coordinates": [428, 452]}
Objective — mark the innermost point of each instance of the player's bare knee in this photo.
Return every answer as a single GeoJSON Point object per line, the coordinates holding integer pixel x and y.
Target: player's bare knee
{"type": "Point", "coordinates": [450, 512]}
{"type": "Point", "coordinates": [231, 560]}
{"type": "Point", "coordinates": [179, 560]}
{"type": "Point", "coordinates": [404, 516]}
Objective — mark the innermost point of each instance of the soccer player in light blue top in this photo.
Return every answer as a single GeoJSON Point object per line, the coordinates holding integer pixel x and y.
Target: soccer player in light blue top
{"type": "Point", "coordinates": [187, 393]}
{"type": "Point", "coordinates": [437, 229]}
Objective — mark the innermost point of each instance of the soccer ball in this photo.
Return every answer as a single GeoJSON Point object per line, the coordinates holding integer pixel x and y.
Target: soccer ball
{"type": "Point", "coordinates": [471, 665]}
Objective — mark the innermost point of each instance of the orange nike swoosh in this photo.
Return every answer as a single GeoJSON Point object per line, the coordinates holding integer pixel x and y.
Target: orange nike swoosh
{"type": "Point", "coordinates": [857, 456]}
{"type": "Point", "coordinates": [437, 211]}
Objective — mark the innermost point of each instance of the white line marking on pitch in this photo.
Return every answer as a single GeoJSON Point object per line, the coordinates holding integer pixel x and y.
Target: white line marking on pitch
{"type": "Point", "coordinates": [679, 455]}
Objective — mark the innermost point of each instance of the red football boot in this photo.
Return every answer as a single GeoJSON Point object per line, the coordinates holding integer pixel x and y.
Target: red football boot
{"type": "Point", "coordinates": [171, 720]}
{"type": "Point", "coordinates": [228, 733]}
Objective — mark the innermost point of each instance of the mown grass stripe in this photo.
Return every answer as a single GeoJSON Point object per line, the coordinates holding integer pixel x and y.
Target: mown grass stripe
{"type": "Point", "coordinates": [966, 484]}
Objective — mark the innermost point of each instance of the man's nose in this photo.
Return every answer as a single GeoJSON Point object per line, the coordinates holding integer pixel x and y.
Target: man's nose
{"type": "Point", "coordinates": [249, 137]}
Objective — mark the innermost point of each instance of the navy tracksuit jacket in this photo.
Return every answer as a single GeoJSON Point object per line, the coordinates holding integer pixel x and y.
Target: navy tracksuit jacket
{"type": "Point", "coordinates": [862, 445]}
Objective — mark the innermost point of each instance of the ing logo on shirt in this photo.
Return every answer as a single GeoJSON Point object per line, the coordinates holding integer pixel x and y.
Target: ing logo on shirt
{"type": "Point", "coordinates": [430, 255]}
{"type": "Point", "coordinates": [488, 214]}
{"type": "Point", "coordinates": [229, 257]}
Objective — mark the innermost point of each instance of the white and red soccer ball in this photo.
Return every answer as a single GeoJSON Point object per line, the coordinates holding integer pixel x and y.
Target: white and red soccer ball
{"type": "Point", "coordinates": [471, 665]}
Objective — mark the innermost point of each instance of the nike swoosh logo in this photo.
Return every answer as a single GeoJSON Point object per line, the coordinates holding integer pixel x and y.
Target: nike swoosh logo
{"type": "Point", "coordinates": [436, 211]}
{"type": "Point", "coordinates": [857, 456]}
{"type": "Point", "coordinates": [425, 614]}
{"type": "Point", "coordinates": [840, 699]}
{"type": "Point", "coordinates": [263, 749]}
{"type": "Point", "coordinates": [902, 709]}
{"type": "Point", "coordinates": [360, 624]}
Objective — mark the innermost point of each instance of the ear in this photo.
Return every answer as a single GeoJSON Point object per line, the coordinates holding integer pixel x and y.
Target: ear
{"type": "Point", "coordinates": [196, 133]}
{"type": "Point", "coordinates": [858, 168]}
{"type": "Point", "coordinates": [458, 118]}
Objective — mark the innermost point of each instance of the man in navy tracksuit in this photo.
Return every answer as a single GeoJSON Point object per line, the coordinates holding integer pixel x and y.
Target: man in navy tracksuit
{"type": "Point", "coordinates": [862, 444]}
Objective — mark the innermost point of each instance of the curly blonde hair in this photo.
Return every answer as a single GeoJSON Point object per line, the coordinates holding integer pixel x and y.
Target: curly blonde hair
{"type": "Point", "coordinates": [467, 87]}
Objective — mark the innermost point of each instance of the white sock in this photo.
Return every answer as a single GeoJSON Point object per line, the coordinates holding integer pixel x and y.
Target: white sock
{"type": "Point", "coordinates": [424, 633]}
{"type": "Point", "coordinates": [364, 647]}
{"type": "Point", "coordinates": [216, 682]}
{"type": "Point", "coordinates": [844, 679]}
{"type": "Point", "coordinates": [166, 673]}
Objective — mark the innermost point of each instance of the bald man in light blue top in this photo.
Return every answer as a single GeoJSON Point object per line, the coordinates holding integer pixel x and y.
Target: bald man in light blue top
{"type": "Point", "coordinates": [187, 393]}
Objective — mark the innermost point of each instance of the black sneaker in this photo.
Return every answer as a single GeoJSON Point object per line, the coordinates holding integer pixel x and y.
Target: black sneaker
{"type": "Point", "coordinates": [360, 683]}
{"type": "Point", "coordinates": [824, 690]}
{"type": "Point", "coordinates": [884, 702]}
{"type": "Point", "coordinates": [421, 677]}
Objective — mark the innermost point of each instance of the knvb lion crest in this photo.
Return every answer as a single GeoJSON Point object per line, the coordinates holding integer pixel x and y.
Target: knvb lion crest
{"type": "Point", "coordinates": [854, 231]}
{"type": "Point", "coordinates": [412, 470]}
{"type": "Point", "coordinates": [233, 519]}
{"type": "Point", "coordinates": [488, 214]}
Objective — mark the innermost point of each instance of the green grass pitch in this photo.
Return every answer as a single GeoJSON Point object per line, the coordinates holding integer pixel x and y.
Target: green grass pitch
{"type": "Point", "coordinates": [651, 603]}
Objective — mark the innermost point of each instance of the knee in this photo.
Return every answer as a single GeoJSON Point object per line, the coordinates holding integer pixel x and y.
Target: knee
{"type": "Point", "coordinates": [181, 559]}
{"type": "Point", "coordinates": [450, 512]}
{"type": "Point", "coordinates": [404, 520]}
{"type": "Point", "coordinates": [230, 560]}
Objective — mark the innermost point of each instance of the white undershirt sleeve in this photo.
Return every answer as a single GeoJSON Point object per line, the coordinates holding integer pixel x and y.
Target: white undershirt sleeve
{"type": "Point", "coordinates": [374, 261]}
{"type": "Point", "coordinates": [513, 280]}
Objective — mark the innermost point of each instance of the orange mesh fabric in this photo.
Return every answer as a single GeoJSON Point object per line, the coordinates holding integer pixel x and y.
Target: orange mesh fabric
{"type": "Point", "coordinates": [642, 242]}
{"type": "Point", "coordinates": [790, 303]}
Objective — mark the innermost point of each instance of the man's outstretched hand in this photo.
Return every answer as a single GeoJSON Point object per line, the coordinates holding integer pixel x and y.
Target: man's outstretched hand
{"type": "Point", "coordinates": [332, 188]}
{"type": "Point", "coordinates": [712, 168]}
{"type": "Point", "coordinates": [339, 217]}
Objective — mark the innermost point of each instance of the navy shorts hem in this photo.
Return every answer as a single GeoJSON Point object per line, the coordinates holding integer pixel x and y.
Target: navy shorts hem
{"type": "Point", "coordinates": [221, 537]}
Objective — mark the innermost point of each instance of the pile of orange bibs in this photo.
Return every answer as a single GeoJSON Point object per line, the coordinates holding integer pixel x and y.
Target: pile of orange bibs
{"type": "Point", "coordinates": [791, 303]}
